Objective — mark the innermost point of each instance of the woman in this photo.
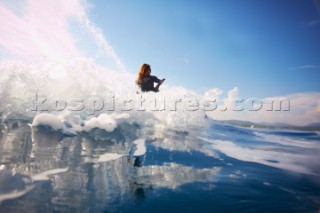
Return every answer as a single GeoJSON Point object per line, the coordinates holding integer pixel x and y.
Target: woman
{"type": "Point", "coordinates": [146, 81]}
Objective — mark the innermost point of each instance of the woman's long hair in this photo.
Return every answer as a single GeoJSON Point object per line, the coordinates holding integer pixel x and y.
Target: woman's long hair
{"type": "Point", "coordinates": [143, 73]}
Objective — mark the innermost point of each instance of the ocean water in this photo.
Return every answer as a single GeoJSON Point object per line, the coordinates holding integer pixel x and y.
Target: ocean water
{"type": "Point", "coordinates": [139, 168]}
{"type": "Point", "coordinates": [75, 136]}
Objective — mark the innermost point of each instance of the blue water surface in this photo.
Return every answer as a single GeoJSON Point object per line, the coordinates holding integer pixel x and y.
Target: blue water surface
{"type": "Point", "coordinates": [221, 168]}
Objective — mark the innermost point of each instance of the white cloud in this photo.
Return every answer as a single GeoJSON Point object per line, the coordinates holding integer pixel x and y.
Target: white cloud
{"type": "Point", "coordinates": [314, 22]}
{"type": "Point", "coordinates": [297, 109]}
{"type": "Point", "coordinates": [41, 30]}
{"type": "Point", "coordinates": [306, 67]}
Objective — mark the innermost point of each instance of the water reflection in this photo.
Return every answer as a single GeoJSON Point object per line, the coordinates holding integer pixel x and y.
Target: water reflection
{"type": "Point", "coordinates": [172, 175]}
{"type": "Point", "coordinates": [64, 175]}
{"type": "Point", "coordinates": [49, 150]}
{"type": "Point", "coordinates": [13, 184]}
{"type": "Point", "coordinates": [15, 143]}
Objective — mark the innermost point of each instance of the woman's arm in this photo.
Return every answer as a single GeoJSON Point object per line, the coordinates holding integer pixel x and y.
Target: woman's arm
{"type": "Point", "coordinates": [158, 85]}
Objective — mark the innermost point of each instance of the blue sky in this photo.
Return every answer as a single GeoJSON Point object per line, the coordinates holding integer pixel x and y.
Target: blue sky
{"type": "Point", "coordinates": [265, 48]}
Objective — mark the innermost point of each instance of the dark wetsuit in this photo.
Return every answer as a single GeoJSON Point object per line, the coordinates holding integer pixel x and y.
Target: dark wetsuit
{"type": "Point", "coordinates": [148, 84]}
